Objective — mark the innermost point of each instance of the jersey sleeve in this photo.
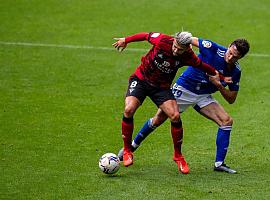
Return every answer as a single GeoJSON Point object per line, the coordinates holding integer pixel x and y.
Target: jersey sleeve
{"type": "Point", "coordinates": [234, 86]}
{"type": "Point", "coordinates": [151, 37]}
{"type": "Point", "coordinates": [154, 37]}
{"type": "Point", "coordinates": [207, 46]}
{"type": "Point", "coordinates": [196, 62]}
{"type": "Point", "coordinates": [137, 37]}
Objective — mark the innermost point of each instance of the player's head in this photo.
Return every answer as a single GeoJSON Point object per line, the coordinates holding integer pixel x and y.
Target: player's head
{"type": "Point", "coordinates": [237, 49]}
{"type": "Point", "coordinates": [181, 43]}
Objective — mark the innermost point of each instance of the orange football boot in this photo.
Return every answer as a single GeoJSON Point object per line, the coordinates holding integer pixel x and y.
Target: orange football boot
{"type": "Point", "coordinates": [127, 158]}
{"type": "Point", "coordinates": [182, 164]}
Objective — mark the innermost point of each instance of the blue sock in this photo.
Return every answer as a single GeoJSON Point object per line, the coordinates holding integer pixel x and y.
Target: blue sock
{"type": "Point", "coordinates": [143, 133]}
{"type": "Point", "coordinates": [222, 142]}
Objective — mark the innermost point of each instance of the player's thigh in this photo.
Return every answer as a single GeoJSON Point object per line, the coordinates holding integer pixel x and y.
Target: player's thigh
{"type": "Point", "coordinates": [135, 96]}
{"type": "Point", "coordinates": [165, 100]}
{"type": "Point", "coordinates": [215, 112]}
{"type": "Point", "coordinates": [131, 105]}
{"type": "Point", "coordinates": [170, 108]}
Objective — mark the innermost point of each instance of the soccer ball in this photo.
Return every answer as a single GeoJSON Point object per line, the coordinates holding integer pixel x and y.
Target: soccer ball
{"type": "Point", "coordinates": [109, 163]}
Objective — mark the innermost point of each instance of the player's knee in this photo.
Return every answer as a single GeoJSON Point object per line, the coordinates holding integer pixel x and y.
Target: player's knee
{"type": "Point", "coordinates": [174, 117]}
{"type": "Point", "coordinates": [228, 121]}
{"type": "Point", "coordinates": [129, 111]}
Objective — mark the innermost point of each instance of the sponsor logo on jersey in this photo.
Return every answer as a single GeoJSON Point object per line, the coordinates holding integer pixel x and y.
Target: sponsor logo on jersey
{"type": "Point", "coordinates": [206, 44]}
{"type": "Point", "coordinates": [164, 66]}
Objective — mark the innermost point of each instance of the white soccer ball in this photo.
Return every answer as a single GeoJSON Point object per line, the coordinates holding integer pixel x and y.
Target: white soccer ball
{"type": "Point", "coordinates": [109, 163]}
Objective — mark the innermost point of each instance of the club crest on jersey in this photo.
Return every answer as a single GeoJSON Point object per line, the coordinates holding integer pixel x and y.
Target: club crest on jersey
{"type": "Point", "coordinates": [154, 35]}
{"type": "Point", "coordinates": [206, 44]}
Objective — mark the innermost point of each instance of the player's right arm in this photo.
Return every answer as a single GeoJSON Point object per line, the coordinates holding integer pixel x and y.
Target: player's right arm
{"type": "Point", "coordinates": [121, 43]}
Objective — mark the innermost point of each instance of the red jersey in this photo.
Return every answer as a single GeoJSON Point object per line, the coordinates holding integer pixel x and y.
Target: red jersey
{"type": "Point", "coordinates": [159, 66]}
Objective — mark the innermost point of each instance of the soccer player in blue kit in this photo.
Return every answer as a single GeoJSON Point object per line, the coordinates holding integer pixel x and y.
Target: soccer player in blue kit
{"type": "Point", "coordinates": [194, 88]}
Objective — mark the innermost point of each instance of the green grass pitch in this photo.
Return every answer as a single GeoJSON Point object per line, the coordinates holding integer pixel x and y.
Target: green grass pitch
{"type": "Point", "coordinates": [62, 89]}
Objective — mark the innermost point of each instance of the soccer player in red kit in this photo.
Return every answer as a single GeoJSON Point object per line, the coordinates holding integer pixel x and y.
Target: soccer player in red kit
{"type": "Point", "coordinates": [153, 78]}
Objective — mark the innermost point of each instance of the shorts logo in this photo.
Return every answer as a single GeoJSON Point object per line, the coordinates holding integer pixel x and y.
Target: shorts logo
{"type": "Point", "coordinates": [206, 44]}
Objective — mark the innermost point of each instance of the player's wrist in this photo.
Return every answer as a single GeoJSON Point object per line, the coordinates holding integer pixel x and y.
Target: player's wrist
{"type": "Point", "coordinates": [128, 39]}
{"type": "Point", "coordinates": [219, 86]}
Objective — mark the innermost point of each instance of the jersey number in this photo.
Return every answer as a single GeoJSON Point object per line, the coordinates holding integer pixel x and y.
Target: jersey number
{"type": "Point", "coordinates": [133, 84]}
{"type": "Point", "coordinates": [177, 93]}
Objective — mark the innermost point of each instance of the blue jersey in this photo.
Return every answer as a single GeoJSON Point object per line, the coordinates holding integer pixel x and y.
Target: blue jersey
{"type": "Point", "coordinates": [196, 81]}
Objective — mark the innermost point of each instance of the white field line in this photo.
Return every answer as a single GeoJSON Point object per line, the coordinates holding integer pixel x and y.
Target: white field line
{"type": "Point", "coordinates": [68, 46]}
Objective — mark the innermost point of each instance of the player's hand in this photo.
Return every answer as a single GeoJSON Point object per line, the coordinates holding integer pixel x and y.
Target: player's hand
{"type": "Point", "coordinates": [215, 79]}
{"type": "Point", "coordinates": [228, 79]}
{"type": "Point", "coordinates": [120, 45]}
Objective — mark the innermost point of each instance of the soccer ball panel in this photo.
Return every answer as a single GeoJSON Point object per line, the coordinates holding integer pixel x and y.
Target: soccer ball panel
{"type": "Point", "coordinates": [109, 163]}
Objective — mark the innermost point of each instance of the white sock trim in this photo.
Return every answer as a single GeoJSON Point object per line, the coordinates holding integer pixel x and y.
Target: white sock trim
{"type": "Point", "coordinates": [150, 124]}
{"type": "Point", "coordinates": [135, 145]}
{"type": "Point", "coordinates": [217, 164]}
{"type": "Point", "coordinates": [226, 128]}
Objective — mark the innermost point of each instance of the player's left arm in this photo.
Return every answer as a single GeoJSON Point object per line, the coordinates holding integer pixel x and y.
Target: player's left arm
{"type": "Point", "coordinates": [228, 95]}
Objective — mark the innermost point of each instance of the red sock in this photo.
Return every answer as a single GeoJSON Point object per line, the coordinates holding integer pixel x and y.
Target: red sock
{"type": "Point", "coordinates": [177, 136]}
{"type": "Point", "coordinates": [127, 130]}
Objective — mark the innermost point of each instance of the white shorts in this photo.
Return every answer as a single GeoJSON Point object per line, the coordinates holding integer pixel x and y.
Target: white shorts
{"type": "Point", "coordinates": [185, 98]}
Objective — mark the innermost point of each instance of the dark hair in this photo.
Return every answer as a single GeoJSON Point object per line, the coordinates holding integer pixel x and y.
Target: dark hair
{"type": "Point", "coordinates": [242, 46]}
